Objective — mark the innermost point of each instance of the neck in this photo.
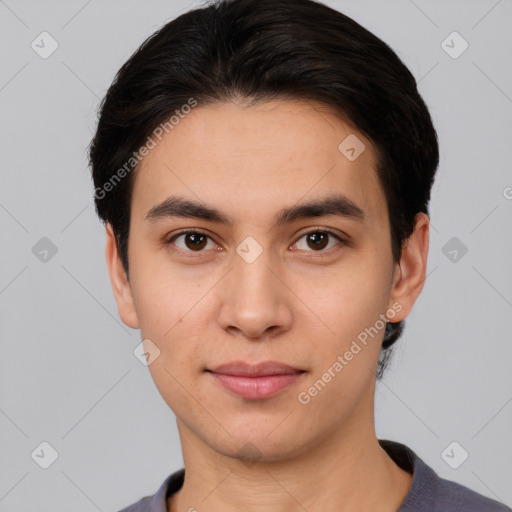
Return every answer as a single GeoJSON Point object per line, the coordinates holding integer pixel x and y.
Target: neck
{"type": "Point", "coordinates": [346, 471]}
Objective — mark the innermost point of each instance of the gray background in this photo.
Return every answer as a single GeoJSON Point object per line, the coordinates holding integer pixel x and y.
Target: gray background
{"type": "Point", "coordinates": [68, 374]}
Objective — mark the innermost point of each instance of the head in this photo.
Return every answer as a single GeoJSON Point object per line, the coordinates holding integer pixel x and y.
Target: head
{"type": "Point", "coordinates": [244, 110]}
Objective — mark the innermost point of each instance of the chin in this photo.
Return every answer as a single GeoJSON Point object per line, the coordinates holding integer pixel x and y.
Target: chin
{"type": "Point", "coordinates": [258, 446]}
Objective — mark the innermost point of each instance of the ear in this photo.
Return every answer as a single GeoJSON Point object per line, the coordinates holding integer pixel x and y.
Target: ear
{"type": "Point", "coordinates": [410, 273]}
{"type": "Point", "coordinates": [119, 281]}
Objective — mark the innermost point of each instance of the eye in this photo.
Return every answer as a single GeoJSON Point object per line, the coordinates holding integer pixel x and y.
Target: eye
{"type": "Point", "coordinates": [318, 240]}
{"type": "Point", "coordinates": [192, 241]}
{"type": "Point", "coordinates": [195, 241]}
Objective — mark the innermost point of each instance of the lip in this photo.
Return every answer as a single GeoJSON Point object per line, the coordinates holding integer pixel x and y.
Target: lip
{"type": "Point", "coordinates": [266, 368]}
{"type": "Point", "coordinates": [257, 381]}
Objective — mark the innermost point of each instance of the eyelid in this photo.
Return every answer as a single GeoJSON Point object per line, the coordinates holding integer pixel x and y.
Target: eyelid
{"type": "Point", "coordinates": [315, 229]}
{"type": "Point", "coordinates": [185, 231]}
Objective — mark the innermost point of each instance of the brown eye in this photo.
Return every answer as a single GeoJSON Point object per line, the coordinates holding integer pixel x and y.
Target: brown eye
{"type": "Point", "coordinates": [195, 241]}
{"type": "Point", "coordinates": [190, 241]}
{"type": "Point", "coordinates": [318, 240]}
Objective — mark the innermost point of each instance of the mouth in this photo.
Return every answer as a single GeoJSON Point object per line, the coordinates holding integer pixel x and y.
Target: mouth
{"type": "Point", "coordinates": [254, 382]}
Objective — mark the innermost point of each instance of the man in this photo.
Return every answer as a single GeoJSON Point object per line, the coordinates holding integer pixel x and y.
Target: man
{"type": "Point", "coordinates": [264, 170]}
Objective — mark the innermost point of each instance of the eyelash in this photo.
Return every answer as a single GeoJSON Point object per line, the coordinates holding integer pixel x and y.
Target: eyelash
{"type": "Point", "coordinates": [200, 232]}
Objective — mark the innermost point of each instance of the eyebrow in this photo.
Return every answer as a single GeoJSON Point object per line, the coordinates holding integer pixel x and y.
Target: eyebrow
{"type": "Point", "coordinates": [180, 207]}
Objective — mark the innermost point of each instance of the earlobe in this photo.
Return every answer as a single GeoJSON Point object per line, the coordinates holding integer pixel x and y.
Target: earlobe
{"type": "Point", "coordinates": [119, 281]}
{"type": "Point", "coordinates": [410, 273]}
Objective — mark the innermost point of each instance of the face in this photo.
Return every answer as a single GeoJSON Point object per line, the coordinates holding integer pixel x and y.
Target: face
{"type": "Point", "coordinates": [258, 278]}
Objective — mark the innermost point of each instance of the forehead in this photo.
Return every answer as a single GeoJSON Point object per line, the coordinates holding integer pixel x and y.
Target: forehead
{"type": "Point", "coordinates": [250, 160]}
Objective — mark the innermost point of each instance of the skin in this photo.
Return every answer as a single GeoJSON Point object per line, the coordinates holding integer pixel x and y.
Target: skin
{"type": "Point", "coordinates": [295, 303]}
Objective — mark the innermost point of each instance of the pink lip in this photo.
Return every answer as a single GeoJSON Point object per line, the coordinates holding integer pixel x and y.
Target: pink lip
{"type": "Point", "coordinates": [255, 381]}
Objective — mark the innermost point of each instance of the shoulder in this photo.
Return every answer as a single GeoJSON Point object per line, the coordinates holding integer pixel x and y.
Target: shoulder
{"type": "Point", "coordinates": [452, 496]}
{"type": "Point", "coordinates": [431, 493]}
{"type": "Point", "coordinates": [158, 501]}
{"type": "Point", "coordinates": [143, 505]}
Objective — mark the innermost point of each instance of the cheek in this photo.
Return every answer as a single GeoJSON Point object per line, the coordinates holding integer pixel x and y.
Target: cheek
{"type": "Point", "coordinates": [171, 317]}
{"type": "Point", "coordinates": [347, 301]}
{"type": "Point", "coordinates": [163, 294]}
{"type": "Point", "coordinates": [179, 367]}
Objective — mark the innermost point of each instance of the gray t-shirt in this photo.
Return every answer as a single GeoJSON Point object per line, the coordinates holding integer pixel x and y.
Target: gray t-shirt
{"type": "Point", "coordinates": [428, 492]}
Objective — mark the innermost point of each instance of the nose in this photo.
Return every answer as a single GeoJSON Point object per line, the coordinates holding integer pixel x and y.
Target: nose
{"type": "Point", "coordinates": [255, 301]}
